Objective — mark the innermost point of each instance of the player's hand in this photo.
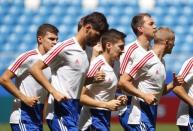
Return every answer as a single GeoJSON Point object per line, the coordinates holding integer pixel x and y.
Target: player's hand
{"type": "Point", "coordinates": [99, 76]}
{"type": "Point", "coordinates": [31, 101]}
{"type": "Point", "coordinates": [59, 96]}
{"type": "Point", "coordinates": [149, 98]}
{"type": "Point", "coordinates": [123, 99]}
{"type": "Point", "coordinates": [177, 80]}
{"type": "Point", "coordinates": [113, 104]}
{"type": "Point", "coordinates": [97, 50]}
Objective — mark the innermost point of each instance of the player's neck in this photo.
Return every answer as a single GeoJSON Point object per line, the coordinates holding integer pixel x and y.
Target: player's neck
{"type": "Point", "coordinates": [41, 50]}
{"type": "Point", "coordinates": [144, 42]}
{"type": "Point", "coordinates": [80, 38]}
{"type": "Point", "coordinates": [158, 51]}
{"type": "Point", "coordinates": [108, 58]}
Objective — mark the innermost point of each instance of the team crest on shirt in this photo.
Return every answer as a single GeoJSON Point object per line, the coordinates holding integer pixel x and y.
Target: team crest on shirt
{"type": "Point", "coordinates": [109, 80]}
{"type": "Point", "coordinates": [78, 62]}
{"type": "Point", "coordinates": [157, 72]}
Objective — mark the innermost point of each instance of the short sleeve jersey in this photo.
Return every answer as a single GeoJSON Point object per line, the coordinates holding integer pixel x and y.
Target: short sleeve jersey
{"type": "Point", "coordinates": [132, 52]}
{"type": "Point", "coordinates": [187, 73]}
{"type": "Point", "coordinates": [149, 76]}
{"type": "Point", "coordinates": [103, 91]}
{"type": "Point", "coordinates": [24, 80]}
{"type": "Point", "coordinates": [69, 65]}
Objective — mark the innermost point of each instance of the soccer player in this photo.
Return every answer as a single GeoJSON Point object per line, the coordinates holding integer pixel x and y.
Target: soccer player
{"type": "Point", "coordinates": [148, 75]}
{"type": "Point", "coordinates": [92, 52]}
{"type": "Point", "coordinates": [185, 92]}
{"type": "Point", "coordinates": [69, 64]}
{"type": "Point", "coordinates": [27, 112]}
{"type": "Point", "coordinates": [100, 96]}
{"type": "Point", "coordinates": [144, 28]}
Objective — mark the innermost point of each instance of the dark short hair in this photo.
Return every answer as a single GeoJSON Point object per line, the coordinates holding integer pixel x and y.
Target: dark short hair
{"type": "Point", "coordinates": [80, 23]}
{"type": "Point", "coordinates": [97, 20]}
{"type": "Point", "coordinates": [137, 21]}
{"type": "Point", "coordinates": [44, 28]}
{"type": "Point", "coordinates": [112, 35]}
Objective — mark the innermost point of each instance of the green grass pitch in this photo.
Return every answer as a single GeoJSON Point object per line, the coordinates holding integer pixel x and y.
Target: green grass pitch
{"type": "Point", "coordinates": [114, 127]}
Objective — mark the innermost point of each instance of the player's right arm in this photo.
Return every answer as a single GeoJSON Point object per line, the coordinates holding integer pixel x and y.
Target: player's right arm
{"type": "Point", "coordinates": [37, 73]}
{"type": "Point", "coordinates": [89, 101]}
{"type": "Point", "coordinates": [127, 79]}
{"type": "Point", "coordinates": [7, 83]}
{"type": "Point", "coordinates": [126, 84]}
{"type": "Point", "coordinates": [182, 94]}
{"type": "Point", "coordinates": [186, 73]}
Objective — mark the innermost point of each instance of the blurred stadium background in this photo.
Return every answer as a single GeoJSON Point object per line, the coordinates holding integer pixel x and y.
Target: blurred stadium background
{"type": "Point", "coordinates": [19, 20]}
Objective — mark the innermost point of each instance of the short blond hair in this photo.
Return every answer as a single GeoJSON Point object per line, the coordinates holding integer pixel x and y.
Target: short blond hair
{"type": "Point", "coordinates": [163, 33]}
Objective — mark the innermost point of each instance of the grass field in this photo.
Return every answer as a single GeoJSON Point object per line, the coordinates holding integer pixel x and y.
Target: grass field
{"type": "Point", "coordinates": [115, 127]}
